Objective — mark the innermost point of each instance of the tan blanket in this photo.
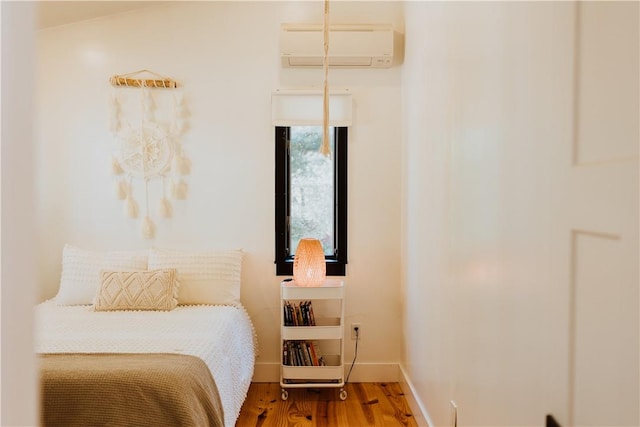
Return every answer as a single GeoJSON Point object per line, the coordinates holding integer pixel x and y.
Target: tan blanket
{"type": "Point", "coordinates": [128, 390]}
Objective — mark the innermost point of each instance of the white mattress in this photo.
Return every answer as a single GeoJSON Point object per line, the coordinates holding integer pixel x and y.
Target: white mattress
{"type": "Point", "coordinates": [222, 336]}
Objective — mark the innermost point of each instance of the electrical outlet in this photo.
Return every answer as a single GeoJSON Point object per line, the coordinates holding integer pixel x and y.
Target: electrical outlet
{"type": "Point", "coordinates": [355, 326]}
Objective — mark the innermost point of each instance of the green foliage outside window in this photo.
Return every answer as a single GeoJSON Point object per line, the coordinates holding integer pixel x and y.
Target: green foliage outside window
{"type": "Point", "coordinates": [311, 188]}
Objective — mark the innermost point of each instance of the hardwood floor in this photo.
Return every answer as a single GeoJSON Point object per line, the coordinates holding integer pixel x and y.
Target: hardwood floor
{"type": "Point", "coordinates": [367, 404]}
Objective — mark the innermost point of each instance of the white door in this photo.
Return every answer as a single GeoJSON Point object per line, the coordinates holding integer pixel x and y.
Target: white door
{"type": "Point", "coordinates": [602, 201]}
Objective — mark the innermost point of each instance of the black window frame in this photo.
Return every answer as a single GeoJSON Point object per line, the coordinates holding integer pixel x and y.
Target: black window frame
{"type": "Point", "coordinates": [336, 263]}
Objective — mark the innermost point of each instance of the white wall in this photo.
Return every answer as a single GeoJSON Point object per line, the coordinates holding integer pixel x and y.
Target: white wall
{"type": "Point", "coordinates": [521, 285]}
{"type": "Point", "coordinates": [19, 390]}
{"type": "Point", "coordinates": [226, 56]}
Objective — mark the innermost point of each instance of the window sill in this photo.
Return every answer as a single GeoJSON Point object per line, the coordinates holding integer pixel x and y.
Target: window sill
{"type": "Point", "coordinates": [334, 268]}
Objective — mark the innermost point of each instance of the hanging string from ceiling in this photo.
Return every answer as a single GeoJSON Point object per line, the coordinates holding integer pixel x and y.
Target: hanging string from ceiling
{"type": "Point", "coordinates": [325, 148]}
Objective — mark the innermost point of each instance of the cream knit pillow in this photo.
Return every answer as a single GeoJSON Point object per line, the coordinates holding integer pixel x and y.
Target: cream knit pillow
{"type": "Point", "coordinates": [137, 290]}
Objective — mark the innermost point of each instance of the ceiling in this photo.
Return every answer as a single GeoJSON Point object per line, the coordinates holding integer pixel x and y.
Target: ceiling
{"type": "Point", "coordinates": [52, 13]}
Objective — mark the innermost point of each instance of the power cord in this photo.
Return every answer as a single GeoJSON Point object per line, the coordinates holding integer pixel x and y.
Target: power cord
{"type": "Point", "coordinates": [355, 355]}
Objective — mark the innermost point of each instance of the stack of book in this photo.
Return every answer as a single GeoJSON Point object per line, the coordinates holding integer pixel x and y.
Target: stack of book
{"type": "Point", "coordinates": [298, 314]}
{"type": "Point", "coordinates": [302, 353]}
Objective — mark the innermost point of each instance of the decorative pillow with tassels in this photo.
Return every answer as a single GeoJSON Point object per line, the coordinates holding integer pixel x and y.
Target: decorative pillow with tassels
{"type": "Point", "coordinates": [137, 290]}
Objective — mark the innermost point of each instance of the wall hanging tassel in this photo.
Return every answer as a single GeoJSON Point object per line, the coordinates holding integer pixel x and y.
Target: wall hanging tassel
{"type": "Point", "coordinates": [325, 149]}
{"type": "Point", "coordinates": [165, 209]}
{"type": "Point", "coordinates": [180, 165]}
{"type": "Point", "coordinates": [130, 207]}
{"type": "Point", "coordinates": [182, 189]}
{"type": "Point", "coordinates": [121, 189]}
{"type": "Point", "coordinates": [147, 228]}
{"type": "Point", "coordinates": [185, 164]}
{"type": "Point", "coordinates": [179, 190]}
{"type": "Point", "coordinates": [116, 169]}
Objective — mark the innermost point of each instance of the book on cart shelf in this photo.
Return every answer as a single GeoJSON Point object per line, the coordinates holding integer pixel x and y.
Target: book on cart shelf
{"type": "Point", "coordinates": [298, 314]}
{"type": "Point", "coordinates": [302, 353]}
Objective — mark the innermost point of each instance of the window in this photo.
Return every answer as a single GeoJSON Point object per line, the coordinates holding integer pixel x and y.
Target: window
{"type": "Point", "coordinates": [310, 195]}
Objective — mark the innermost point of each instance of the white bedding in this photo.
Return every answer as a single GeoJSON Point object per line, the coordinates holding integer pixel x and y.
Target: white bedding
{"type": "Point", "coordinates": [222, 336]}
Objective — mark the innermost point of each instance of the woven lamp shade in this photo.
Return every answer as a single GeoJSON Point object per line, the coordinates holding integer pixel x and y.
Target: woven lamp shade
{"type": "Point", "coordinates": [309, 268]}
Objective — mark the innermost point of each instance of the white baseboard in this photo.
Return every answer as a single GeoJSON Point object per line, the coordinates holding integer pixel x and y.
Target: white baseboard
{"type": "Point", "coordinates": [266, 372]}
{"type": "Point", "coordinates": [417, 407]}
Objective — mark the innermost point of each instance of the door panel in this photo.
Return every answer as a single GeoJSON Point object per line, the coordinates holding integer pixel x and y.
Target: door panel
{"type": "Point", "coordinates": [603, 217]}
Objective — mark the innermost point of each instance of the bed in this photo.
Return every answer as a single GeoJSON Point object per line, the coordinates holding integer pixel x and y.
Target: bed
{"type": "Point", "coordinates": [191, 364]}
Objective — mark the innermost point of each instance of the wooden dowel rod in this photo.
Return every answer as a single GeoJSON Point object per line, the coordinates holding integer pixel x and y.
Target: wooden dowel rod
{"type": "Point", "coordinates": [123, 81]}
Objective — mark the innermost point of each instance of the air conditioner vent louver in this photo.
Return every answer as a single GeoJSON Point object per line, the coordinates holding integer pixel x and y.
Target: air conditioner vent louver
{"type": "Point", "coordinates": [350, 46]}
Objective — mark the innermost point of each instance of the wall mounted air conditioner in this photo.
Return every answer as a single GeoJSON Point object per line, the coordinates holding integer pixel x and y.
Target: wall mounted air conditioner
{"type": "Point", "coordinates": [350, 46]}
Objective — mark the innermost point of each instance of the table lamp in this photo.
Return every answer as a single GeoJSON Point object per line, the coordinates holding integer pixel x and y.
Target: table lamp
{"type": "Point", "coordinates": [309, 268]}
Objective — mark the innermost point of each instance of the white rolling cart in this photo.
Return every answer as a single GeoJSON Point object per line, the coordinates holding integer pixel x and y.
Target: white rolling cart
{"type": "Point", "coordinates": [328, 333]}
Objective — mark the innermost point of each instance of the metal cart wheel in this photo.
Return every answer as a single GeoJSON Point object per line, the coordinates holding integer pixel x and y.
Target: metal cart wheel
{"type": "Point", "coordinates": [343, 394]}
{"type": "Point", "coordinates": [284, 395]}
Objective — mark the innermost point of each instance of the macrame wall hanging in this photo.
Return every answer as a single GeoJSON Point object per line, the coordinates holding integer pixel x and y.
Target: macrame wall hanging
{"type": "Point", "coordinates": [148, 117]}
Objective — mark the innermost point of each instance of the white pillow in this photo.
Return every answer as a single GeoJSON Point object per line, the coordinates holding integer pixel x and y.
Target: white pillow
{"type": "Point", "coordinates": [205, 277]}
{"type": "Point", "coordinates": [81, 269]}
